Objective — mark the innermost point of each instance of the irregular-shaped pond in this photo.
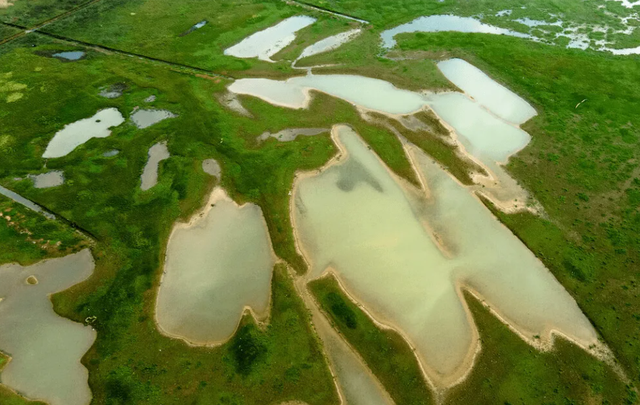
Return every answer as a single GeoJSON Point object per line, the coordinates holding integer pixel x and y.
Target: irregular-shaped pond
{"type": "Point", "coordinates": [157, 153]}
{"type": "Point", "coordinates": [50, 179]}
{"type": "Point", "coordinates": [406, 257]}
{"type": "Point", "coordinates": [290, 134]}
{"type": "Point", "coordinates": [71, 55]}
{"type": "Point", "coordinates": [486, 91]}
{"type": "Point", "coordinates": [79, 132]}
{"type": "Point", "coordinates": [216, 266]}
{"type": "Point", "coordinates": [45, 349]}
{"type": "Point", "coordinates": [440, 23]}
{"type": "Point", "coordinates": [266, 43]}
{"type": "Point", "coordinates": [330, 43]}
{"type": "Point", "coordinates": [146, 118]}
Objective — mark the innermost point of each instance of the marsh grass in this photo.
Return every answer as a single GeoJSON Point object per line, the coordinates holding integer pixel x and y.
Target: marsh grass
{"type": "Point", "coordinates": [385, 352]}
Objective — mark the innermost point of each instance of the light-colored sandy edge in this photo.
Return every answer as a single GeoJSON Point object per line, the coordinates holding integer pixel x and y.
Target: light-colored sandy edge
{"type": "Point", "coordinates": [482, 181]}
{"type": "Point", "coordinates": [300, 284]}
{"type": "Point", "coordinates": [438, 382]}
{"type": "Point", "coordinates": [261, 319]}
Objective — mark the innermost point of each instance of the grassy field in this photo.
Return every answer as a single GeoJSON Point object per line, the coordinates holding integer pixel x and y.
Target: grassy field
{"type": "Point", "coordinates": [33, 12]}
{"type": "Point", "coordinates": [386, 353]}
{"type": "Point", "coordinates": [131, 362]}
{"type": "Point", "coordinates": [386, 14]}
{"type": "Point", "coordinates": [509, 371]}
{"type": "Point", "coordinates": [155, 27]}
{"type": "Point", "coordinates": [6, 31]}
{"type": "Point", "coordinates": [582, 165]}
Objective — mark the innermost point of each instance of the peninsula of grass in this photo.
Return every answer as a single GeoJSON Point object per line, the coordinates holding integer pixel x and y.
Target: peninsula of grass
{"type": "Point", "coordinates": [510, 371]}
{"type": "Point", "coordinates": [386, 353]}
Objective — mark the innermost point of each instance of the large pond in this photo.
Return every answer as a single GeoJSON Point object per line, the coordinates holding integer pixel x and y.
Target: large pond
{"type": "Point", "coordinates": [266, 43]}
{"type": "Point", "coordinates": [45, 349]}
{"type": "Point", "coordinates": [216, 266]}
{"type": "Point", "coordinates": [482, 131]}
{"type": "Point", "coordinates": [406, 256]}
{"type": "Point", "coordinates": [487, 92]}
{"type": "Point", "coordinates": [439, 23]}
{"type": "Point", "coordinates": [79, 132]}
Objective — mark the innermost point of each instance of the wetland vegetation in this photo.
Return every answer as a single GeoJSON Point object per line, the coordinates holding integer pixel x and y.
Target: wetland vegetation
{"type": "Point", "coordinates": [578, 175]}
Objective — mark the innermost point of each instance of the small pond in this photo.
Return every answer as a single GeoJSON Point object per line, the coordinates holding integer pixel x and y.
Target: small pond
{"type": "Point", "coordinates": [145, 118]}
{"type": "Point", "coordinates": [79, 132]}
{"type": "Point", "coordinates": [72, 55]}
{"type": "Point", "coordinates": [290, 134]}
{"type": "Point", "coordinates": [330, 43]}
{"type": "Point", "coordinates": [157, 153]}
{"type": "Point", "coordinates": [50, 179]}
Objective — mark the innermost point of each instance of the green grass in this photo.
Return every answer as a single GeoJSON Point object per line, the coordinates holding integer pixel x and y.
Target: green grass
{"type": "Point", "coordinates": [33, 12]}
{"type": "Point", "coordinates": [386, 353]}
{"type": "Point", "coordinates": [509, 371]}
{"type": "Point", "coordinates": [131, 362]}
{"type": "Point", "coordinates": [154, 27]}
{"type": "Point", "coordinates": [582, 165]}
{"type": "Point", "coordinates": [26, 227]}
{"type": "Point", "coordinates": [386, 14]}
{"type": "Point", "coordinates": [6, 31]}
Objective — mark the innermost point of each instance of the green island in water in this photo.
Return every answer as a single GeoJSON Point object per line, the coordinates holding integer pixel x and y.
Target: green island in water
{"type": "Point", "coordinates": [319, 202]}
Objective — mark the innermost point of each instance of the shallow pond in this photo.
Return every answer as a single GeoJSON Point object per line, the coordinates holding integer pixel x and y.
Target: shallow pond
{"type": "Point", "coordinates": [45, 348]}
{"type": "Point", "coordinates": [330, 43]}
{"type": "Point", "coordinates": [50, 179]}
{"type": "Point", "coordinates": [483, 135]}
{"type": "Point", "coordinates": [111, 153]}
{"type": "Point", "coordinates": [72, 55]}
{"type": "Point", "coordinates": [146, 118]}
{"type": "Point", "coordinates": [79, 132]}
{"type": "Point", "coordinates": [486, 91]}
{"type": "Point", "coordinates": [266, 43]}
{"type": "Point", "coordinates": [370, 93]}
{"type": "Point", "coordinates": [157, 153]}
{"type": "Point", "coordinates": [211, 167]}
{"type": "Point", "coordinates": [216, 266]}
{"type": "Point", "coordinates": [290, 134]}
{"type": "Point", "coordinates": [441, 23]}
{"type": "Point", "coordinates": [405, 256]}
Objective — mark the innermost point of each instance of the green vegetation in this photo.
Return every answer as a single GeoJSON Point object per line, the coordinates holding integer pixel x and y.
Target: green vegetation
{"type": "Point", "coordinates": [28, 237]}
{"type": "Point", "coordinates": [386, 353]}
{"type": "Point", "coordinates": [385, 14]}
{"type": "Point", "coordinates": [582, 166]}
{"type": "Point", "coordinates": [6, 31]}
{"type": "Point", "coordinates": [131, 227]}
{"type": "Point", "coordinates": [154, 28]}
{"type": "Point", "coordinates": [33, 12]}
{"type": "Point", "coordinates": [436, 142]}
{"type": "Point", "coordinates": [509, 371]}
